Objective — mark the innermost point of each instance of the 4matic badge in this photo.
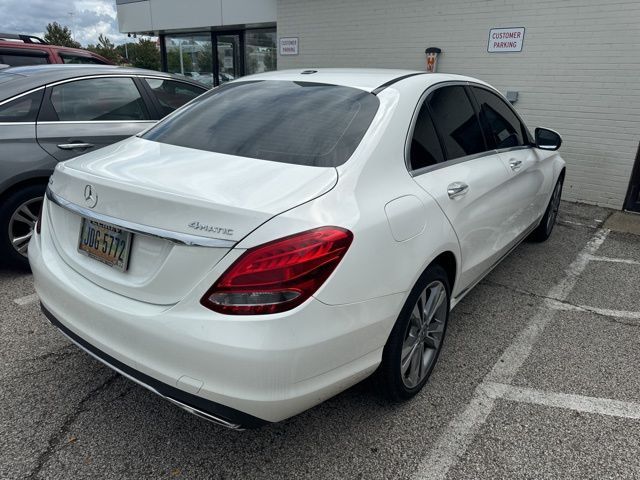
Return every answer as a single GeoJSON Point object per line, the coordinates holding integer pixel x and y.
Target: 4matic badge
{"type": "Point", "coordinates": [211, 229]}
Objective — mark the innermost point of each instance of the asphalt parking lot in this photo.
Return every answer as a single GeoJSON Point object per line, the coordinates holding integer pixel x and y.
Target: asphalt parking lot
{"type": "Point", "coordinates": [538, 379]}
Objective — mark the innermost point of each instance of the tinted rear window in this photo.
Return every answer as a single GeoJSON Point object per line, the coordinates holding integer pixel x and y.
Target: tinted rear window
{"type": "Point", "coordinates": [291, 122]}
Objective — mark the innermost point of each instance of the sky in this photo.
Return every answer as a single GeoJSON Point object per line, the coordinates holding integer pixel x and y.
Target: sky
{"type": "Point", "coordinates": [86, 18]}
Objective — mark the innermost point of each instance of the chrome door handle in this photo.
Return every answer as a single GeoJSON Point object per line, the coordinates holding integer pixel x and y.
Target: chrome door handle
{"type": "Point", "coordinates": [457, 189]}
{"type": "Point", "coordinates": [73, 146]}
{"type": "Point", "coordinates": [515, 164]}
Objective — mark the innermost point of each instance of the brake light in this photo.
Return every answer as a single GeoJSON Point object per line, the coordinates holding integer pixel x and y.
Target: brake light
{"type": "Point", "coordinates": [279, 275]}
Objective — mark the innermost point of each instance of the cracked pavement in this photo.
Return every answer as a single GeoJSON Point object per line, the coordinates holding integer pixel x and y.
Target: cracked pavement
{"type": "Point", "coordinates": [65, 415]}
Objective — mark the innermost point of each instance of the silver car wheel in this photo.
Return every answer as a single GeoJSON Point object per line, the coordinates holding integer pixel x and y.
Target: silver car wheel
{"type": "Point", "coordinates": [424, 333]}
{"type": "Point", "coordinates": [22, 224]}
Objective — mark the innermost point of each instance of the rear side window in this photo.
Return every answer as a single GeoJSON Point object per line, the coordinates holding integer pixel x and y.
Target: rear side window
{"type": "Point", "coordinates": [456, 121]}
{"type": "Point", "coordinates": [425, 146]}
{"type": "Point", "coordinates": [23, 109]}
{"type": "Point", "coordinates": [17, 60]}
{"type": "Point", "coordinates": [504, 127]}
{"type": "Point", "coordinates": [172, 94]}
{"type": "Point", "coordinates": [98, 99]}
{"type": "Point", "coordinates": [70, 58]}
{"type": "Point", "coordinates": [291, 122]}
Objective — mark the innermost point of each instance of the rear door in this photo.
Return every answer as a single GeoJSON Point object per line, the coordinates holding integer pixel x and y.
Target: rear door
{"type": "Point", "coordinates": [85, 114]}
{"type": "Point", "coordinates": [526, 191]}
{"type": "Point", "coordinates": [450, 160]}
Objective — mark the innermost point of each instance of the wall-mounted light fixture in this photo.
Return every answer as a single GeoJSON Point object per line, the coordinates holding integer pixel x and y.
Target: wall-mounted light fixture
{"type": "Point", "coordinates": [432, 59]}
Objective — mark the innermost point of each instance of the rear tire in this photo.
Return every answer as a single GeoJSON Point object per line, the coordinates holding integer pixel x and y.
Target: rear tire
{"type": "Point", "coordinates": [414, 345]}
{"type": "Point", "coordinates": [18, 214]}
{"type": "Point", "coordinates": [543, 231]}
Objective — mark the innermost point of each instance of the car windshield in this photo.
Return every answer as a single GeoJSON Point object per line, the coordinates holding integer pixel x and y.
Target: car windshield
{"type": "Point", "coordinates": [302, 123]}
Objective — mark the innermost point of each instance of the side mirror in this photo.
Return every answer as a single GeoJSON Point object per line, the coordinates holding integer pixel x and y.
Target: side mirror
{"type": "Point", "coordinates": [547, 139]}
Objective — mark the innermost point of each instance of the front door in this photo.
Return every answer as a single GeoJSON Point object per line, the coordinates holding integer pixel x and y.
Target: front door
{"type": "Point", "coordinates": [505, 132]}
{"type": "Point", "coordinates": [87, 114]}
{"type": "Point", "coordinates": [632, 203]}
{"type": "Point", "coordinates": [229, 60]}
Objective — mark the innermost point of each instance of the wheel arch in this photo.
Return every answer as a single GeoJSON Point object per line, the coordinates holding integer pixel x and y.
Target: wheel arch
{"type": "Point", "coordinates": [447, 260]}
{"type": "Point", "coordinates": [24, 183]}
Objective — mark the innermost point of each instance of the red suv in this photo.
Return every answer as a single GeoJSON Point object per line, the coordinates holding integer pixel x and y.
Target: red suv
{"type": "Point", "coordinates": [18, 50]}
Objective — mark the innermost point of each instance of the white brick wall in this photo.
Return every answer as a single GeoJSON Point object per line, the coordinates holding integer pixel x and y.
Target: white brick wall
{"type": "Point", "coordinates": [579, 71]}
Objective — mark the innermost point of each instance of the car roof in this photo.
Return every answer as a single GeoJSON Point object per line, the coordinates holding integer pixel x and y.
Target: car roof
{"type": "Point", "coordinates": [367, 79]}
{"type": "Point", "coordinates": [16, 80]}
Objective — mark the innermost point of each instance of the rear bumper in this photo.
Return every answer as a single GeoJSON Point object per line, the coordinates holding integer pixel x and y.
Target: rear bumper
{"type": "Point", "coordinates": [239, 372]}
{"type": "Point", "coordinates": [214, 412]}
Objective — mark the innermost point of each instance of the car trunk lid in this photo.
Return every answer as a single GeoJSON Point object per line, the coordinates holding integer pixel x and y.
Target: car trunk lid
{"type": "Point", "coordinates": [193, 205]}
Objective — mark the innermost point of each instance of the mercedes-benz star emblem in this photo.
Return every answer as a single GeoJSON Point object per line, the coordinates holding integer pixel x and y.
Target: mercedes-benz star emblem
{"type": "Point", "coordinates": [90, 196]}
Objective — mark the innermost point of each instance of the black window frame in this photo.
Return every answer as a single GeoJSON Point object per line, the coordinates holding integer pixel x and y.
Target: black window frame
{"type": "Point", "coordinates": [526, 134]}
{"type": "Point", "coordinates": [447, 162]}
{"type": "Point", "coordinates": [48, 112]}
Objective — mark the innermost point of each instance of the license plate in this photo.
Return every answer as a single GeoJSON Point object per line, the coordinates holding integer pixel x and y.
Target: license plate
{"type": "Point", "coordinates": [106, 243]}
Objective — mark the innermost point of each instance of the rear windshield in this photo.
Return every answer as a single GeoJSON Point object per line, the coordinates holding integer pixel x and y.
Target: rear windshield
{"type": "Point", "coordinates": [292, 122]}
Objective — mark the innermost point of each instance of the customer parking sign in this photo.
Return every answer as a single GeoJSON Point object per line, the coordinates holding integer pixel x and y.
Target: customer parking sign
{"type": "Point", "coordinates": [505, 40]}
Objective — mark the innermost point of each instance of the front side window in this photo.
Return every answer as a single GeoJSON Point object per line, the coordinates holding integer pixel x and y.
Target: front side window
{"type": "Point", "coordinates": [172, 94]}
{"type": "Point", "coordinates": [301, 123]}
{"type": "Point", "coordinates": [23, 109]}
{"type": "Point", "coordinates": [456, 121]}
{"type": "Point", "coordinates": [425, 146]}
{"type": "Point", "coordinates": [504, 127]}
{"type": "Point", "coordinates": [98, 99]}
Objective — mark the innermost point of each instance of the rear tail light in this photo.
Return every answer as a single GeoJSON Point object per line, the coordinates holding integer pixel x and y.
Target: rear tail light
{"type": "Point", "coordinates": [279, 275]}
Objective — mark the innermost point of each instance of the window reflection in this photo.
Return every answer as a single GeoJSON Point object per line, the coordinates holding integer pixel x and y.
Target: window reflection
{"type": "Point", "coordinates": [260, 51]}
{"type": "Point", "coordinates": [190, 56]}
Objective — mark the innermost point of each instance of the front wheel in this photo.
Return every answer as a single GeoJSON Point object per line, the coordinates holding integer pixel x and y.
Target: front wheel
{"type": "Point", "coordinates": [415, 342]}
{"type": "Point", "coordinates": [543, 231]}
{"type": "Point", "coordinates": [18, 215]}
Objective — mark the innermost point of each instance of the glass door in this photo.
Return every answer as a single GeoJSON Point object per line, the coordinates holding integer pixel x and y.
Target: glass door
{"type": "Point", "coordinates": [229, 58]}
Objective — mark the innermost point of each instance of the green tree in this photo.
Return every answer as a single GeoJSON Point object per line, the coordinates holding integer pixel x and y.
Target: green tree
{"type": "Point", "coordinates": [57, 34]}
{"type": "Point", "coordinates": [173, 61]}
{"type": "Point", "coordinates": [106, 48]}
{"type": "Point", "coordinates": [145, 54]}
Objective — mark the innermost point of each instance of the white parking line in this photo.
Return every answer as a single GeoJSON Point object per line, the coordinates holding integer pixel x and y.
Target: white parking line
{"type": "Point", "coordinates": [27, 300]}
{"type": "Point", "coordinates": [455, 440]}
{"type": "Point", "coordinates": [580, 403]}
{"type": "Point", "coordinates": [629, 261]}
{"type": "Point", "coordinates": [631, 315]}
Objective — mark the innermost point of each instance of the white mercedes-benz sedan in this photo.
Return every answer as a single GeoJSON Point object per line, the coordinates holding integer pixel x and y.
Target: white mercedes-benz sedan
{"type": "Point", "coordinates": [288, 234]}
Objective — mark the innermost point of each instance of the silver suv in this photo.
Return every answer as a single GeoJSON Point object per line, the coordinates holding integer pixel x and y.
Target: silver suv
{"type": "Point", "coordinates": [50, 113]}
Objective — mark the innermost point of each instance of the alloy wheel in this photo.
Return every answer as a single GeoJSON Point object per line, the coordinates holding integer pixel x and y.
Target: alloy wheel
{"type": "Point", "coordinates": [22, 224]}
{"type": "Point", "coordinates": [424, 333]}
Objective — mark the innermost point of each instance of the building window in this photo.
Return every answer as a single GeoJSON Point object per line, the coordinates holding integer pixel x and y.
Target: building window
{"type": "Point", "coordinates": [190, 55]}
{"type": "Point", "coordinates": [260, 51]}
{"type": "Point", "coordinates": [237, 53]}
